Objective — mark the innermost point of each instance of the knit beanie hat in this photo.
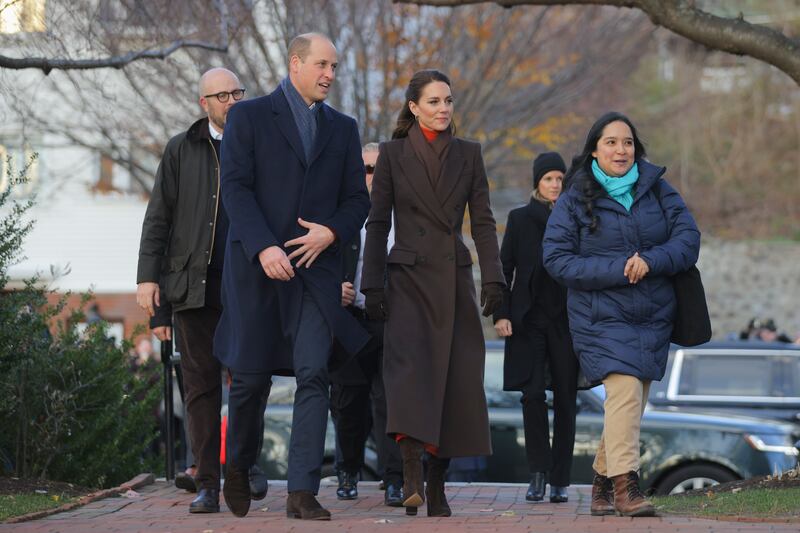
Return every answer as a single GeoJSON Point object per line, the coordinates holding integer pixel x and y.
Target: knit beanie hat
{"type": "Point", "coordinates": [544, 163]}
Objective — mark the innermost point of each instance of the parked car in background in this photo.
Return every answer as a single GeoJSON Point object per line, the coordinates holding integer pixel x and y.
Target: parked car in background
{"type": "Point", "coordinates": [746, 377]}
{"type": "Point", "coordinates": [679, 450]}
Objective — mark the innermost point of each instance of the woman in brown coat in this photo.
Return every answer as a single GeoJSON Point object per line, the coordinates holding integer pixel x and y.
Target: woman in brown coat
{"type": "Point", "coordinates": [433, 341]}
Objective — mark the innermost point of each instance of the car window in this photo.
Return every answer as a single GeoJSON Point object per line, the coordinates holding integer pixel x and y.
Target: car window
{"type": "Point", "coordinates": [734, 375]}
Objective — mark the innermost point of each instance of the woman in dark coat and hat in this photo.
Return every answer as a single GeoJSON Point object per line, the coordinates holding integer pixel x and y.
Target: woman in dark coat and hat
{"type": "Point", "coordinates": [533, 321]}
{"type": "Point", "coordinates": [433, 341]}
{"type": "Point", "coordinates": [616, 238]}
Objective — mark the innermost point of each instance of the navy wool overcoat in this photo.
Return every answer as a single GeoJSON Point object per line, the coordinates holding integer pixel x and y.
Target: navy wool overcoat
{"type": "Point", "coordinates": [266, 185]}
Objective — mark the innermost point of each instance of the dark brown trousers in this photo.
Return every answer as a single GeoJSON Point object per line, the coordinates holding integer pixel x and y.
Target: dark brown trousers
{"type": "Point", "coordinates": [202, 382]}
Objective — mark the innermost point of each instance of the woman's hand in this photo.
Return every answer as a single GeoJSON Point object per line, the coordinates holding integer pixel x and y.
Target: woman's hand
{"type": "Point", "coordinates": [635, 269]}
{"type": "Point", "coordinates": [503, 327]}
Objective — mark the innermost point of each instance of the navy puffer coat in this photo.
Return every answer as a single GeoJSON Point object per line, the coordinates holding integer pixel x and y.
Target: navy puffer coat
{"type": "Point", "coordinates": [618, 327]}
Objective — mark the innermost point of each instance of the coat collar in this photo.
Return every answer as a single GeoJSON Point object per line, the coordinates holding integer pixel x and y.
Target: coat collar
{"type": "Point", "coordinates": [288, 127]}
{"type": "Point", "coordinates": [199, 131]}
{"type": "Point", "coordinates": [415, 172]}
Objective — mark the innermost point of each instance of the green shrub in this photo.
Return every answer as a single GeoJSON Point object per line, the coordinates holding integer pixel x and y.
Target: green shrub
{"type": "Point", "coordinates": [71, 408]}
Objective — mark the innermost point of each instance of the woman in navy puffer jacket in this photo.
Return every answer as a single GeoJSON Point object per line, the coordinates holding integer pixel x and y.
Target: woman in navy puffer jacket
{"type": "Point", "coordinates": [614, 239]}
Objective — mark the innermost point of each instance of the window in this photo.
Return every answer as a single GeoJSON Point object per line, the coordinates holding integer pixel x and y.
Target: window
{"type": "Point", "coordinates": [19, 168]}
{"type": "Point", "coordinates": [720, 375]}
{"type": "Point", "coordinates": [17, 16]}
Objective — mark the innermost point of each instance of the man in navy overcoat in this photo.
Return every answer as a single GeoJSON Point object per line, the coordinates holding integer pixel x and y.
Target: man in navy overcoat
{"type": "Point", "coordinates": [294, 189]}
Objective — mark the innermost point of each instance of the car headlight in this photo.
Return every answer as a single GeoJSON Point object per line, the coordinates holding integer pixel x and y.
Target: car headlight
{"type": "Point", "coordinates": [771, 443]}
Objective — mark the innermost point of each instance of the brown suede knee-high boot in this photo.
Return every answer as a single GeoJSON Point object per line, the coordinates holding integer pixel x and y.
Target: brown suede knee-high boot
{"type": "Point", "coordinates": [413, 487]}
{"type": "Point", "coordinates": [434, 491]}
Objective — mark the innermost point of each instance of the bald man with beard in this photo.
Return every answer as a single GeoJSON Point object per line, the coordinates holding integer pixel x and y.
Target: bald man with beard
{"type": "Point", "coordinates": [180, 271]}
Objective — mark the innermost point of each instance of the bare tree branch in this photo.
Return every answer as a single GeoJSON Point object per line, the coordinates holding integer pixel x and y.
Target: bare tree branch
{"type": "Point", "coordinates": [733, 35]}
{"type": "Point", "coordinates": [48, 64]}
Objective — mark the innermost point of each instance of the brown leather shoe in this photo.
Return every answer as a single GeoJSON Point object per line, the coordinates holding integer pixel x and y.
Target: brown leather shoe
{"type": "Point", "coordinates": [414, 486]}
{"type": "Point", "coordinates": [303, 505]}
{"type": "Point", "coordinates": [602, 496]}
{"type": "Point", "coordinates": [628, 497]}
{"type": "Point", "coordinates": [434, 491]}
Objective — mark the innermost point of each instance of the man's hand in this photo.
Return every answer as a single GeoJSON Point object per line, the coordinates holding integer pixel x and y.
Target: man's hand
{"type": "Point", "coordinates": [311, 244]}
{"type": "Point", "coordinates": [275, 263]}
{"type": "Point", "coordinates": [635, 269]}
{"type": "Point", "coordinates": [503, 327]}
{"type": "Point", "coordinates": [163, 333]}
{"type": "Point", "coordinates": [348, 294]}
{"type": "Point", "coordinates": [148, 297]}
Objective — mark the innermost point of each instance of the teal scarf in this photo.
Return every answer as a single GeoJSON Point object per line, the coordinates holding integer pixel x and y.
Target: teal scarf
{"type": "Point", "coordinates": [618, 188]}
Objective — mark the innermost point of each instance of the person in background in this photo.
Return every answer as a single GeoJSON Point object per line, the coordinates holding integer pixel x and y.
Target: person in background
{"type": "Point", "coordinates": [615, 238]}
{"type": "Point", "coordinates": [533, 321]}
{"type": "Point", "coordinates": [358, 384]}
{"type": "Point", "coordinates": [181, 257]}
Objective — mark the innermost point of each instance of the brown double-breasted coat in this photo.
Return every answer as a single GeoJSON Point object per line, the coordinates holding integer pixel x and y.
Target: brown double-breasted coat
{"type": "Point", "coordinates": [433, 342]}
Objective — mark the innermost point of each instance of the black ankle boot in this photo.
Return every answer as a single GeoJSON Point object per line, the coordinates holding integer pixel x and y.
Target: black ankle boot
{"type": "Point", "coordinates": [434, 491]}
{"type": "Point", "coordinates": [536, 488]}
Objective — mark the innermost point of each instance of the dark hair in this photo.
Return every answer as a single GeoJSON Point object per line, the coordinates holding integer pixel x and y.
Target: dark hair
{"type": "Point", "coordinates": [581, 168]}
{"type": "Point", "coordinates": [418, 82]}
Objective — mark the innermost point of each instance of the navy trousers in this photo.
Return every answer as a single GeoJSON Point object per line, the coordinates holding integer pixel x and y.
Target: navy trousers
{"type": "Point", "coordinates": [311, 351]}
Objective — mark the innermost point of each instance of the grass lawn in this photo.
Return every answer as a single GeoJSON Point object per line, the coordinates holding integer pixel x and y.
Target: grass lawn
{"type": "Point", "coordinates": [19, 504]}
{"type": "Point", "coordinates": [761, 503]}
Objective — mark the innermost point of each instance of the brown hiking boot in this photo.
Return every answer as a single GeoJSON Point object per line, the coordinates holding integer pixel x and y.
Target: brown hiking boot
{"type": "Point", "coordinates": [302, 504]}
{"type": "Point", "coordinates": [602, 496]}
{"type": "Point", "coordinates": [434, 490]}
{"type": "Point", "coordinates": [414, 487]}
{"type": "Point", "coordinates": [628, 497]}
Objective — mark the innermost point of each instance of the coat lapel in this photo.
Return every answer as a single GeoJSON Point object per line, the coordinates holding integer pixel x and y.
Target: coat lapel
{"type": "Point", "coordinates": [451, 172]}
{"type": "Point", "coordinates": [418, 178]}
{"type": "Point", "coordinates": [324, 132]}
{"type": "Point", "coordinates": [287, 125]}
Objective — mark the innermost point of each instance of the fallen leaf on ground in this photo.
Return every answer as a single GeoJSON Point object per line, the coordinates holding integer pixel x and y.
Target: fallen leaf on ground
{"type": "Point", "coordinates": [487, 510]}
{"type": "Point", "coordinates": [130, 494]}
{"type": "Point", "coordinates": [383, 521]}
{"type": "Point", "coordinates": [508, 513]}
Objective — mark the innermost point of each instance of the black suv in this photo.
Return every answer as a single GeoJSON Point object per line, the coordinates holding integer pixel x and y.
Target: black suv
{"type": "Point", "coordinates": [745, 377]}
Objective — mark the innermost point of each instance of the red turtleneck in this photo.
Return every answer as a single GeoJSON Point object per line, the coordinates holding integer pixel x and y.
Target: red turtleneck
{"type": "Point", "coordinates": [430, 135]}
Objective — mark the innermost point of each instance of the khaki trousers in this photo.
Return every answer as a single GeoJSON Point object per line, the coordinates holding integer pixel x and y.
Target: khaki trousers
{"type": "Point", "coordinates": [618, 452]}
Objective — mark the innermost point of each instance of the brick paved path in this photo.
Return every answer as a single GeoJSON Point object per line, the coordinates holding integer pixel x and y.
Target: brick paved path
{"type": "Point", "coordinates": [162, 508]}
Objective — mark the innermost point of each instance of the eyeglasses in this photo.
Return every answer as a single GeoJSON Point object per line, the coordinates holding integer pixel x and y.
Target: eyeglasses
{"type": "Point", "coordinates": [222, 96]}
{"type": "Point", "coordinates": [370, 169]}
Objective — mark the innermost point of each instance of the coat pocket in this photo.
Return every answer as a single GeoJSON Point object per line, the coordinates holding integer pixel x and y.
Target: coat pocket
{"type": "Point", "coordinates": [176, 280]}
{"type": "Point", "coordinates": [402, 257]}
{"type": "Point", "coordinates": [595, 306]}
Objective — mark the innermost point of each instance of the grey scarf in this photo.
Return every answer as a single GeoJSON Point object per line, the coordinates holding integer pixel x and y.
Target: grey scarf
{"type": "Point", "coordinates": [304, 118]}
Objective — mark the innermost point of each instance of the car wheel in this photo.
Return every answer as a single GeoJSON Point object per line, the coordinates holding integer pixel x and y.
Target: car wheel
{"type": "Point", "coordinates": [694, 477]}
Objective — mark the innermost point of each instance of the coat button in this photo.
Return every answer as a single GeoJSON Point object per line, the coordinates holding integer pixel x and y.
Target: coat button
{"type": "Point", "coordinates": [354, 247]}
{"type": "Point", "coordinates": [203, 282]}
{"type": "Point", "coordinates": [449, 232]}
{"type": "Point", "coordinates": [450, 257]}
{"type": "Point", "coordinates": [422, 259]}
{"type": "Point", "coordinates": [421, 232]}
{"type": "Point", "coordinates": [414, 208]}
